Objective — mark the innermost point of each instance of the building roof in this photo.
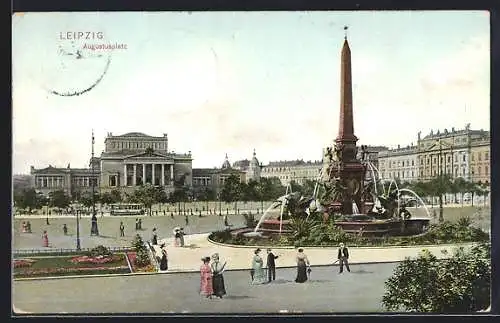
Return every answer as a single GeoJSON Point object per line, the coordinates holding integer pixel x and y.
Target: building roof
{"type": "Point", "coordinates": [204, 171]}
{"type": "Point", "coordinates": [60, 170]}
{"type": "Point", "coordinates": [133, 134]}
{"type": "Point", "coordinates": [298, 162]}
{"type": "Point", "coordinates": [242, 164]}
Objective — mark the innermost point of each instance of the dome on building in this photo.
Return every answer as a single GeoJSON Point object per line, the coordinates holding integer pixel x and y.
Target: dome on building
{"type": "Point", "coordinates": [226, 163]}
{"type": "Point", "coordinates": [255, 161]}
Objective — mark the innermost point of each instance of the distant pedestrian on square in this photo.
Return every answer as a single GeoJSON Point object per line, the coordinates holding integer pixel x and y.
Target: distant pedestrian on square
{"type": "Point", "coordinates": [154, 238]}
{"type": "Point", "coordinates": [140, 224]}
{"type": "Point", "coordinates": [217, 276]}
{"type": "Point", "coordinates": [186, 219]}
{"type": "Point", "coordinates": [24, 227]}
{"type": "Point", "coordinates": [206, 284]}
{"type": "Point", "coordinates": [45, 239]}
{"type": "Point", "coordinates": [65, 229]}
{"type": "Point", "coordinates": [342, 257]}
{"type": "Point", "coordinates": [259, 276]}
{"type": "Point", "coordinates": [122, 229]}
{"type": "Point", "coordinates": [226, 222]}
{"type": "Point", "coordinates": [181, 238]}
{"type": "Point", "coordinates": [177, 237]}
{"type": "Point", "coordinates": [136, 224]}
{"type": "Point", "coordinates": [28, 226]}
{"type": "Point", "coordinates": [302, 266]}
{"type": "Point", "coordinates": [271, 265]}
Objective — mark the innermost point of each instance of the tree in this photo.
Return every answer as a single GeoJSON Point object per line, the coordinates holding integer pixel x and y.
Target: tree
{"type": "Point", "coordinates": [231, 190]}
{"type": "Point", "coordinates": [440, 185]}
{"type": "Point", "coordinates": [460, 186]}
{"type": "Point", "coordinates": [427, 284]}
{"type": "Point", "coordinates": [271, 188]}
{"type": "Point", "coordinates": [27, 199]}
{"type": "Point", "coordinates": [59, 199]}
{"type": "Point", "coordinates": [146, 195]}
{"type": "Point", "coordinates": [86, 198]}
{"type": "Point", "coordinates": [471, 188]}
{"type": "Point", "coordinates": [116, 196]}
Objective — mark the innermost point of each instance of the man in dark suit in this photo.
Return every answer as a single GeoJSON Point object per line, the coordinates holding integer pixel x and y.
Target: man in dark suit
{"type": "Point", "coordinates": [343, 256]}
{"type": "Point", "coordinates": [271, 266]}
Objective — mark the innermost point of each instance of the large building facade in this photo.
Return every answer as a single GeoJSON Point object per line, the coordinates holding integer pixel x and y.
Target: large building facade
{"type": "Point", "coordinates": [135, 159]}
{"type": "Point", "coordinates": [459, 153]}
{"type": "Point", "coordinates": [70, 180]}
{"type": "Point", "coordinates": [295, 170]}
{"type": "Point", "coordinates": [401, 163]}
{"type": "Point", "coordinates": [128, 161]}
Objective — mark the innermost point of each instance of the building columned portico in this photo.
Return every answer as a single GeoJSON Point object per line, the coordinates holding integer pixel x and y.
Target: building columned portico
{"type": "Point", "coordinates": [156, 173]}
{"type": "Point", "coordinates": [135, 159]}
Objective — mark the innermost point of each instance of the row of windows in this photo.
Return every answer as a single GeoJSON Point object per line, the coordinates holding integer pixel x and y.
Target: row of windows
{"type": "Point", "coordinates": [486, 156]}
{"type": "Point", "coordinates": [284, 169]}
{"type": "Point", "coordinates": [138, 145]}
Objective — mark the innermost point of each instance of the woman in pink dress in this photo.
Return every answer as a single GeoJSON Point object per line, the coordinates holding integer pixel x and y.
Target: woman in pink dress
{"type": "Point", "coordinates": [45, 239]}
{"type": "Point", "coordinates": [206, 288]}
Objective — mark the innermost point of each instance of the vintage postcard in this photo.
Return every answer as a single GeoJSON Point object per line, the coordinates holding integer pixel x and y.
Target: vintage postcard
{"type": "Point", "coordinates": [251, 162]}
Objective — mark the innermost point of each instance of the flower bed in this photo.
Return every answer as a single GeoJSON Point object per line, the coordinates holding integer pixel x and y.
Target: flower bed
{"type": "Point", "coordinates": [75, 265]}
{"type": "Point", "coordinates": [132, 256]}
{"type": "Point", "coordinates": [94, 260]}
{"type": "Point", "coordinates": [41, 272]}
{"type": "Point", "coordinates": [23, 263]}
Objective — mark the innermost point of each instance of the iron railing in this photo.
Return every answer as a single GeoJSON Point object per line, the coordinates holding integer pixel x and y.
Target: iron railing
{"type": "Point", "coordinates": [61, 251]}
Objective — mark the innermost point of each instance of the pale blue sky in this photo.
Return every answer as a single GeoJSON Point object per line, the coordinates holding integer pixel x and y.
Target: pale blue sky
{"type": "Point", "coordinates": [223, 82]}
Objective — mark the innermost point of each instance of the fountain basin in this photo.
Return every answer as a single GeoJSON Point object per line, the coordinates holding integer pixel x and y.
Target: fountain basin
{"type": "Point", "coordinates": [252, 234]}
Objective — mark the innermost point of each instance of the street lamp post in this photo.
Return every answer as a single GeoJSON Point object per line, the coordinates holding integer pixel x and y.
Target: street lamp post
{"type": "Point", "coordinates": [78, 247]}
{"type": "Point", "coordinates": [94, 230]}
{"type": "Point", "coordinates": [47, 213]}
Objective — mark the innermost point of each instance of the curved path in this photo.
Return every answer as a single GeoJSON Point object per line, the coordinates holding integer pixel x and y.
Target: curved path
{"type": "Point", "coordinates": [188, 258]}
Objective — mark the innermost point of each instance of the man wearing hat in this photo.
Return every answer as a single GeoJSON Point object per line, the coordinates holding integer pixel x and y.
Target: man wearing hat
{"type": "Point", "coordinates": [343, 256]}
{"type": "Point", "coordinates": [271, 265]}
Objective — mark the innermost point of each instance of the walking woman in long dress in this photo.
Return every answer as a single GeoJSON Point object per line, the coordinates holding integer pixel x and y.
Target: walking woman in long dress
{"type": "Point", "coordinates": [164, 258]}
{"type": "Point", "coordinates": [217, 277]}
{"type": "Point", "coordinates": [302, 265]}
{"type": "Point", "coordinates": [45, 239]}
{"type": "Point", "coordinates": [259, 276]}
{"type": "Point", "coordinates": [206, 288]}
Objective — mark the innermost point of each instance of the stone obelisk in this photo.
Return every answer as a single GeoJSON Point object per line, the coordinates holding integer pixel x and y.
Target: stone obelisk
{"type": "Point", "coordinates": [350, 170]}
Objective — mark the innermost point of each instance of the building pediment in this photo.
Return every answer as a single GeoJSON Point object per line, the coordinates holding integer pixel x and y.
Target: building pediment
{"type": "Point", "coordinates": [50, 170]}
{"type": "Point", "coordinates": [147, 156]}
{"type": "Point", "coordinates": [436, 146]}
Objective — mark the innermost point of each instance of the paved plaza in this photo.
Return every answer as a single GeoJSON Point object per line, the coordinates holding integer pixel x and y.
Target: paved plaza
{"type": "Point", "coordinates": [326, 291]}
{"type": "Point", "coordinates": [109, 229]}
{"type": "Point", "coordinates": [176, 290]}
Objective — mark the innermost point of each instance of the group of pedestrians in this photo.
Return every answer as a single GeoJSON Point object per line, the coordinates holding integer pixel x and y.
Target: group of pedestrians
{"type": "Point", "coordinates": [257, 271]}
{"type": "Point", "coordinates": [212, 278]}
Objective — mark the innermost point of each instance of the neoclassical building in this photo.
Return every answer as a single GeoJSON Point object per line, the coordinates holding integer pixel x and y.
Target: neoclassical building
{"type": "Point", "coordinates": [128, 161]}
{"type": "Point", "coordinates": [214, 178]}
{"type": "Point", "coordinates": [70, 180]}
{"type": "Point", "coordinates": [459, 153]}
{"type": "Point", "coordinates": [293, 170]}
{"type": "Point", "coordinates": [401, 163]}
{"type": "Point", "coordinates": [134, 159]}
